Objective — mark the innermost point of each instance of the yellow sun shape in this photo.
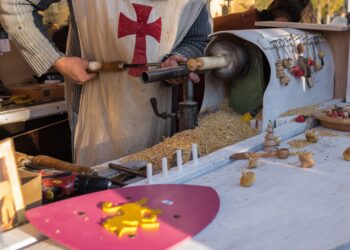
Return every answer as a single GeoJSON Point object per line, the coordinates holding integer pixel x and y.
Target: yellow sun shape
{"type": "Point", "coordinates": [126, 218]}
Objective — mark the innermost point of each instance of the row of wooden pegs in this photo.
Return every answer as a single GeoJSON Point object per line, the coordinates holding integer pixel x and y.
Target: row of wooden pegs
{"type": "Point", "coordinates": [179, 160]}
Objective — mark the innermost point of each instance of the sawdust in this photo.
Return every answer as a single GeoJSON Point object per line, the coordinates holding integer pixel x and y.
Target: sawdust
{"type": "Point", "coordinates": [297, 153]}
{"type": "Point", "coordinates": [307, 110]}
{"type": "Point", "coordinates": [215, 131]}
{"type": "Point", "coordinates": [299, 143]}
{"type": "Point", "coordinates": [327, 134]}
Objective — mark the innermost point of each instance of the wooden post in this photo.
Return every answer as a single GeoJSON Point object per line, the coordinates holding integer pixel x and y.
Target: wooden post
{"type": "Point", "coordinates": [10, 191]}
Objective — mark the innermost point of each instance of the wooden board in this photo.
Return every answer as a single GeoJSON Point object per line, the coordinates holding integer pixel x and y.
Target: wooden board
{"type": "Point", "coordinates": [76, 223]}
{"type": "Point", "coordinates": [304, 26]}
{"type": "Point", "coordinates": [11, 199]}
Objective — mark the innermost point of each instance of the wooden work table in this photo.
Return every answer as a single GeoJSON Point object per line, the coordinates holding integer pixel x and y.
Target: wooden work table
{"type": "Point", "coordinates": [32, 112]}
{"type": "Point", "coordinates": [287, 208]}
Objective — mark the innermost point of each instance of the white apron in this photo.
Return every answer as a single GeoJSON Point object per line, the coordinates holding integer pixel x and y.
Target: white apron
{"type": "Point", "coordinates": [115, 116]}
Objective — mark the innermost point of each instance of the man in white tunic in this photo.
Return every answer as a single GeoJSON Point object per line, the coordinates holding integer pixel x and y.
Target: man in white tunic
{"type": "Point", "coordinates": [110, 113]}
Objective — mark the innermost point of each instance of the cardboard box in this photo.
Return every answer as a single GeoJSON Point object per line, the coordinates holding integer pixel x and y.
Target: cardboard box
{"type": "Point", "coordinates": [41, 93]}
{"type": "Point", "coordinates": [31, 188]}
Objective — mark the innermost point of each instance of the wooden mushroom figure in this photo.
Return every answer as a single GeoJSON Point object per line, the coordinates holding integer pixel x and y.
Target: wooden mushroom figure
{"type": "Point", "coordinates": [247, 179]}
{"type": "Point", "coordinates": [253, 162]}
{"type": "Point", "coordinates": [306, 160]}
{"type": "Point", "coordinates": [346, 154]}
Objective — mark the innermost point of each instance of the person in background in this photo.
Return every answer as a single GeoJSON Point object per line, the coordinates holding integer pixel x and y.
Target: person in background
{"type": "Point", "coordinates": [110, 113]}
{"type": "Point", "coordinates": [278, 10]}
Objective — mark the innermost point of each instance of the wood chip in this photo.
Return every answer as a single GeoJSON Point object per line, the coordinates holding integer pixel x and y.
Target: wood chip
{"type": "Point", "coordinates": [307, 110]}
{"type": "Point", "coordinates": [297, 153]}
{"type": "Point", "coordinates": [298, 144]}
{"type": "Point", "coordinates": [327, 133]}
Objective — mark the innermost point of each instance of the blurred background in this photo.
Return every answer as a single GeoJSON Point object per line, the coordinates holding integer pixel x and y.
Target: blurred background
{"type": "Point", "coordinates": [325, 10]}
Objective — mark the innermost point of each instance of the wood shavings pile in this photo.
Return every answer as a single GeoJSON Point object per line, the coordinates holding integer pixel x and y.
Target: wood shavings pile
{"type": "Point", "coordinates": [327, 134]}
{"type": "Point", "coordinates": [299, 143]}
{"type": "Point", "coordinates": [308, 110]}
{"type": "Point", "coordinates": [215, 131]}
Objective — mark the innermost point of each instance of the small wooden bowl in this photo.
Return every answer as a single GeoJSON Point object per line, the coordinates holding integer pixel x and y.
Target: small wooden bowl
{"type": "Point", "coordinates": [332, 123]}
{"type": "Point", "coordinates": [283, 153]}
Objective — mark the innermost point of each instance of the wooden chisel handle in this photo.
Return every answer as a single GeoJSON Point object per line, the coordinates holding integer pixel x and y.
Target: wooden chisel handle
{"type": "Point", "coordinates": [49, 162]}
{"type": "Point", "coordinates": [95, 67]}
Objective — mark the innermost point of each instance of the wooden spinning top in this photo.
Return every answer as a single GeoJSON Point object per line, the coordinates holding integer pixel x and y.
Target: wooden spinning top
{"type": "Point", "coordinates": [270, 139]}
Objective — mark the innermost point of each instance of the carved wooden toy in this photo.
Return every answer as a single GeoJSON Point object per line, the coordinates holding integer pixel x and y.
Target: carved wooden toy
{"type": "Point", "coordinates": [270, 139]}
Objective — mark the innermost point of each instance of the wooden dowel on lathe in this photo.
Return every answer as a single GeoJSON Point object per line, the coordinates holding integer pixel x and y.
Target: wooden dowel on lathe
{"type": "Point", "coordinates": [205, 63]}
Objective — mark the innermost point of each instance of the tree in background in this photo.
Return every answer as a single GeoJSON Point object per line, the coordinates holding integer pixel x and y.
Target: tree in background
{"type": "Point", "coordinates": [325, 9]}
{"type": "Point", "coordinates": [333, 7]}
{"type": "Point", "coordinates": [262, 4]}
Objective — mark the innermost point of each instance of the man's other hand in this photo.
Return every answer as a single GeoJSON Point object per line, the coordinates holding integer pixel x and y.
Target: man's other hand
{"type": "Point", "coordinates": [174, 61]}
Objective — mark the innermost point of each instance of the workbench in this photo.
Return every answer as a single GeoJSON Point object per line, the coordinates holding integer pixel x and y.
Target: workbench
{"type": "Point", "coordinates": [287, 207]}
{"type": "Point", "coordinates": [32, 112]}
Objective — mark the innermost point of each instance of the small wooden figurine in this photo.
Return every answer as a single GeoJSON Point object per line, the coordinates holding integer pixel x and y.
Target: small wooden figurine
{"type": "Point", "coordinates": [306, 160]}
{"type": "Point", "coordinates": [270, 139]}
{"type": "Point", "coordinates": [247, 179]}
{"type": "Point", "coordinates": [311, 136]}
{"type": "Point", "coordinates": [346, 154]}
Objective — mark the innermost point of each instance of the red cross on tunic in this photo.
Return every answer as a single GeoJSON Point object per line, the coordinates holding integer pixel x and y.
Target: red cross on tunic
{"type": "Point", "coordinates": [141, 28]}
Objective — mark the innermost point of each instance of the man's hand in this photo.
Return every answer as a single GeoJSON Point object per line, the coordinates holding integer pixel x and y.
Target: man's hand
{"type": "Point", "coordinates": [74, 68]}
{"type": "Point", "coordinates": [174, 61]}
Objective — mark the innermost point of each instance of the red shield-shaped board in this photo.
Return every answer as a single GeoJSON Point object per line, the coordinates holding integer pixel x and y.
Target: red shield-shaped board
{"type": "Point", "coordinates": [77, 222]}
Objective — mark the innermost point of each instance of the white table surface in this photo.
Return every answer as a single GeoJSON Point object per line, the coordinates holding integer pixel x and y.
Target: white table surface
{"type": "Point", "coordinates": [287, 207]}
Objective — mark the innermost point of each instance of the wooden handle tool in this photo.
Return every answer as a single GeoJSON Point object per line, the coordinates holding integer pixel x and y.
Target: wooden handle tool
{"type": "Point", "coordinates": [49, 162]}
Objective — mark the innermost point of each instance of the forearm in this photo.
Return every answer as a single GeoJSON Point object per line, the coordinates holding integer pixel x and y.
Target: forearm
{"type": "Point", "coordinates": [23, 23]}
{"type": "Point", "coordinates": [196, 39]}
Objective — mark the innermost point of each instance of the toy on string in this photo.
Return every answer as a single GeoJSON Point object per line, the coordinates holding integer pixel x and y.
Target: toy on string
{"type": "Point", "coordinates": [284, 79]}
{"type": "Point", "coordinates": [320, 52]}
{"type": "Point", "coordinates": [318, 65]}
{"type": "Point", "coordinates": [309, 63]}
{"type": "Point", "coordinates": [270, 139]}
{"type": "Point", "coordinates": [297, 71]}
{"type": "Point", "coordinates": [287, 59]}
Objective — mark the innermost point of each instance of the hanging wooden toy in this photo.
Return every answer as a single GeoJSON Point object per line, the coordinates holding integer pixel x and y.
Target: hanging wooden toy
{"type": "Point", "coordinates": [309, 63]}
{"type": "Point", "coordinates": [297, 71]}
{"type": "Point", "coordinates": [318, 65]}
{"type": "Point", "coordinates": [280, 68]}
{"type": "Point", "coordinates": [320, 53]}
